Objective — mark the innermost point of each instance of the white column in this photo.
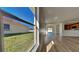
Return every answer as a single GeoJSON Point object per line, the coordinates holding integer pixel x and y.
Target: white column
{"type": "Point", "coordinates": [60, 30]}
{"type": "Point", "coordinates": [55, 30]}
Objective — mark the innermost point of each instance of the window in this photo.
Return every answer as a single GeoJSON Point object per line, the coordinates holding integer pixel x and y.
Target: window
{"type": "Point", "coordinates": [6, 27]}
{"type": "Point", "coordinates": [19, 35]}
{"type": "Point", "coordinates": [49, 29]}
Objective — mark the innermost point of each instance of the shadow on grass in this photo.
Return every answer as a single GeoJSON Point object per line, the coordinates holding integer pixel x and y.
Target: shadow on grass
{"type": "Point", "coordinates": [7, 35]}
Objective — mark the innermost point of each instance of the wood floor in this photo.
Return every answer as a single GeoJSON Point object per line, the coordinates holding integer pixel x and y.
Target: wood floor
{"type": "Point", "coordinates": [66, 44]}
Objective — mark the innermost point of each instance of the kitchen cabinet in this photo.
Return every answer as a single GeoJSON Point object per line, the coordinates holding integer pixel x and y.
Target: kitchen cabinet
{"type": "Point", "coordinates": [71, 26]}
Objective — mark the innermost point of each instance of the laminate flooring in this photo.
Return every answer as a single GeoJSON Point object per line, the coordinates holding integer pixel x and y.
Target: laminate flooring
{"type": "Point", "coordinates": [66, 44]}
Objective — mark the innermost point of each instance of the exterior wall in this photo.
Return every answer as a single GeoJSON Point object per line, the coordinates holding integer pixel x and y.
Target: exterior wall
{"type": "Point", "coordinates": [15, 27]}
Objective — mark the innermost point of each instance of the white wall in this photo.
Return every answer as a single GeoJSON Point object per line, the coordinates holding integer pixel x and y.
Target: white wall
{"type": "Point", "coordinates": [71, 33]}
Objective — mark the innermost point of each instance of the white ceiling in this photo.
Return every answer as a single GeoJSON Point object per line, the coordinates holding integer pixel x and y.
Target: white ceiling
{"type": "Point", "coordinates": [61, 14]}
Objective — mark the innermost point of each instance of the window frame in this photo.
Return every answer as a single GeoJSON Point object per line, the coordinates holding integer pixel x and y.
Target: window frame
{"type": "Point", "coordinates": [36, 31]}
{"type": "Point", "coordinates": [6, 27]}
{"type": "Point", "coordinates": [49, 29]}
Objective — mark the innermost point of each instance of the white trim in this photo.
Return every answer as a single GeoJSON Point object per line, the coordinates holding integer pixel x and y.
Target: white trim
{"type": "Point", "coordinates": [35, 39]}
{"type": "Point", "coordinates": [36, 33]}
{"type": "Point", "coordinates": [35, 48]}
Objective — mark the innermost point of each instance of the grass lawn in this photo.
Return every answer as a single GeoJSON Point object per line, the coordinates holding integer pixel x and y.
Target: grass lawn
{"type": "Point", "coordinates": [18, 43]}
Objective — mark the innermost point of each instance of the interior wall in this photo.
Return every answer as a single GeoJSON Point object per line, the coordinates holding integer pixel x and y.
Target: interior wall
{"type": "Point", "coordinates": [42, 46]}
{"type": "Point", "coordinates": [71, 33]}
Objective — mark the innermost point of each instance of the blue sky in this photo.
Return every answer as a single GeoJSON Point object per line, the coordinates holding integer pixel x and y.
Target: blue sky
{"type": "Point", "coordinates": [21, 12]}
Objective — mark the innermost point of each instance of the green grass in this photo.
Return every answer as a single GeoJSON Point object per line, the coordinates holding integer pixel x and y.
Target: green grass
{"type": "Point", "coordinates": [18, 43]}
